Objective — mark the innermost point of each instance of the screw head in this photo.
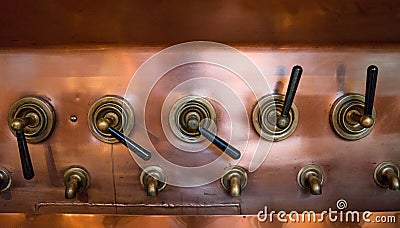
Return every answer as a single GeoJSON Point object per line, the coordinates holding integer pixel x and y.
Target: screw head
{"type": "Point", "coordinates": [73, 118]}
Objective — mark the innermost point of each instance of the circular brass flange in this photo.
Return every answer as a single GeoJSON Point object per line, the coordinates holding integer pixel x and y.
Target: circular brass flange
{"type": "Point", "coordinates": [155, 172]}
{"type": "Point", "coordinates": [81, 173]}
{"type": "Point", "coordinates": [189, 105]}
{"type": "Point", "coordinates": [116, 108]}
{"type": "Point", "coordinates": [380, 169]}
{"type": "Point", "coordinates": [302, 175]}
{"type": "Point", "coordinates": [38, 108]}
{"type": "Point", "coordinates": [340, 120]}
{"type": "Point", "coordinates": [234, 171]}
{"type": "Point", "coordinates": [264, 117]}
{"type": "Point", "coordinates": [5, 179]}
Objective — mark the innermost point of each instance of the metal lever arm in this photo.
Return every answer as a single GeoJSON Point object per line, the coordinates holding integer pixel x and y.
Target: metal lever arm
{"type": "Point", "coordinates": [372, 75]}
{"type": "Point", "coordinates": [18, 126]}
{"type": "Point", "coordinates": [220, 143]}
{"type": "Point", "coordinates": [104, 125]}
{"type": "Point", "coordinates": [283, 119]}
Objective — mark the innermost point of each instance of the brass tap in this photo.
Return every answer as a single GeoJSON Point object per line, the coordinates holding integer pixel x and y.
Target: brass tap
{"type": "Point", "coordinates": [234, 180]}
{"type": "Point", "coordinates": [310, 178]}
{"type": "Point", "coordinates": [386, 175]}
{"type": "Point", "coordinates": [76, 180]}
{"type": "Point", "coordinates": [153, 180]}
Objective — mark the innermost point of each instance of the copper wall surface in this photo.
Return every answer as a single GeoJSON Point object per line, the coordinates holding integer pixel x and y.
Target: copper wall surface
{"type": "Point", "coordinates": [73, 78]}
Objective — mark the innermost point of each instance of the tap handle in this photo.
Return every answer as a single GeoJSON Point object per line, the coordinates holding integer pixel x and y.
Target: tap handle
{"type": "Point", "coordinates": [220, 143]}
{"type": "Point", "coordinates": [283, 119]}
{"type": "Point", "coordinates": [26, 163]}
{"type": "Point", "coordinates": [18, 125]}
{"type": "Point", "coordinates": [372, 75]}
{"type": "Point", "coordinates": [104, 124]}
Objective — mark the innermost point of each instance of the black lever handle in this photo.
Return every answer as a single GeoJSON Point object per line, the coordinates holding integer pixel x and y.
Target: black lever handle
{"type": "Point", "coordinates": [18, 125]}
{"type": "Point", "coordinates": [283, 119]}
{"type": "Point", "coordinates": [104, 125]}
{"type": "Point", "coordinates": [372, 76]}
{"type": "Point", "coordinates": [220, 143]}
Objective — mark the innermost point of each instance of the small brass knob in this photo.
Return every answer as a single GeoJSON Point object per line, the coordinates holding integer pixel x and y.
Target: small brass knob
{"type": "Point", "coordinates": [366, 121]}
{"type": "Point", "coordinates": [283, 120]}
{"type": "Point", "coordinates": [103, 124]}
{"type": "Point", "coordinates": [76, 180]}
{"type": "Point", "coordinates": [72, 186]}
{"type": "Point", "coordinates": [234, 180]}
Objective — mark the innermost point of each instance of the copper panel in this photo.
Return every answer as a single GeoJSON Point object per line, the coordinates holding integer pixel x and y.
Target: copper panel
{"type": "Point", "coordinates": [73, 78]}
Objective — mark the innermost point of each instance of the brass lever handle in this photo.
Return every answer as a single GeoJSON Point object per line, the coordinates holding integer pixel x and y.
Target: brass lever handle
{"type": "Point", "coordinates": [393, 179]}
{"type": "Point", "coordinates": [220, 143]}
{"type": "Point", "coordinates": [72, 186]}
{"type": "Point", "coordinates": [194, 124]}
{"type": "Point", "coordinates": [31, 120]}
{"type": "Point", "coordinates": [105, 125]}
{"type": "Point", "coordinates": [18, 125]}
{"type": "Point", "coordinates": [314, 183]}
{"type": "Point", "coordinates": [366, 119]}
{"type": "Point", "coordinates": [283, 119]}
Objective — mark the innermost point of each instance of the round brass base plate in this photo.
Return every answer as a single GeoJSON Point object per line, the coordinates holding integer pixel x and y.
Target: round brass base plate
{"type": "Point", "coordinates": [188, 104]}
{"type": "Point", "coordinates": [117, 107]}
{"type": "Point", "coordinates": [339, 112]}
{"type": "Point", "coordinates": [264, 118]}
{"type": "Point", "coordinates": [39, 107]}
